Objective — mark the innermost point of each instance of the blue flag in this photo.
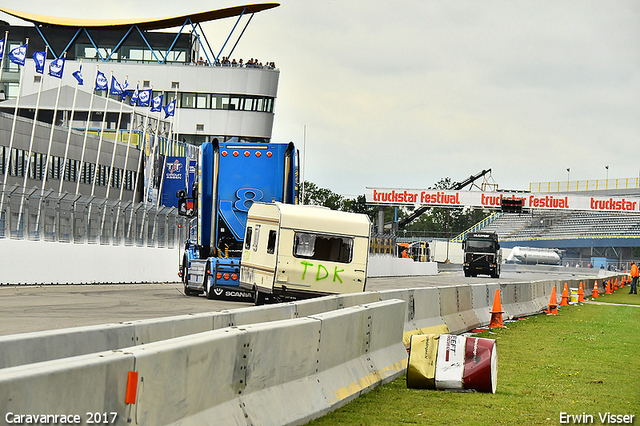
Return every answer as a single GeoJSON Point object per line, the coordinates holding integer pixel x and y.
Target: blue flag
{"type": "Point", "coordinates": [156, 103]}
{"type": "Point", "coordinates": [144, 98]}
{"type": "Point", "coordinates": [101, 81]}
{"type": "Point", "coordinates": [78, 76]}
{"type": "Point", "coordinates": [170, 109]}
{"type": "Point", "coordinates": [18, 55]}
{"type": "Point", "coordinates": [116, 88]}
{"type": "Point", "coordinates": [124, 95]}
{"type": "Point", "coordinates": [56, 68]}
{"type": "Point", "coordinates": [134, 96]}
{"type": "Point", "coordinates": [38, 59]}
{"type": "Point", "coordinates": [2, 43]}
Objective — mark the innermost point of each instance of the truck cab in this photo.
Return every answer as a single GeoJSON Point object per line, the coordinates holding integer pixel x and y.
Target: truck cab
{"type": "Point", "coordinates": [482, 254]}
{"type": "Point", "coordinates": [296, 252]}
{"type": "Point", "coordinates": [231, 176]}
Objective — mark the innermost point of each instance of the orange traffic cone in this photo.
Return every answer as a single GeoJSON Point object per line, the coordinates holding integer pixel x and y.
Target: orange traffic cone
{"type": "Point", "coordinates": [580, 293]}
{"type": "Point", "coordinates": [496, 312]}
{"type": "Point", "coordinates": [595, 289]}
{"type": "Point", "coordinates": [615, 285]}
{"type": "Point", "coordinates": [622, 282]}
{"type": "Point", "coordinates": [607, 287]}
{"type": "Point", "coordinates": [565, 296]}
{"type": "Point", "coordinates": [553, 303]}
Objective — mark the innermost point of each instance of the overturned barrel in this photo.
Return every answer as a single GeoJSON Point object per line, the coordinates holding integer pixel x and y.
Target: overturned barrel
{"type": "Point", "coordinates": [452, 362]}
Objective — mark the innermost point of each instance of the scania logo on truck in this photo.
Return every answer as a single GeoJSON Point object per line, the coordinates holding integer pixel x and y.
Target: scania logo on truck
{"type": "Point", "coordinates": [242, 294]}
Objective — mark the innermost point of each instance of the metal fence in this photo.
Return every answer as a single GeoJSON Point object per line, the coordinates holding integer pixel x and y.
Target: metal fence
{"type": "Point", "coordinates": [80, 219]}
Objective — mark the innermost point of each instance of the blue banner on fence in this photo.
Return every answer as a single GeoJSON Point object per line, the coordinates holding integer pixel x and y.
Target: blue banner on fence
{"type": "Point", "coordinates": [174, 180]}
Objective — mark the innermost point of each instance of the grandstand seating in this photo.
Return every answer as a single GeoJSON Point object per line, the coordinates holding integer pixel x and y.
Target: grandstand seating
{"type": "Point", "coordinates": [548, 225]}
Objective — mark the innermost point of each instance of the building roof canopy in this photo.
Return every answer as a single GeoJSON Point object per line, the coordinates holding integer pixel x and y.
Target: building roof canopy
{"type": "Point", "coordinates": [143, 24]}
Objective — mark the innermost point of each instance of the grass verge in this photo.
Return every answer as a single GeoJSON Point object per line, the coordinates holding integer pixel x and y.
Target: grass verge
{"type": "Point", "coordinates": [585, 360]}
{"type": "Point", "coordinates": [621, 295]}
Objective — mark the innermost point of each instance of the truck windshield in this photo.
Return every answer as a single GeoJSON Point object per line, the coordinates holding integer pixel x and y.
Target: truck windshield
{"type": "Point", "coordinates": [486, 246]}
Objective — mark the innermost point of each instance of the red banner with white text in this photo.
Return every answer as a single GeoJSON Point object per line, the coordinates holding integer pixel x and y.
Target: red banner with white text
{"type": "Point", "coordinates": [533, 200]}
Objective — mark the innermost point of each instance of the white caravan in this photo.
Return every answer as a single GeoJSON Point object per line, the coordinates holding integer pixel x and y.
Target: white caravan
{"type": "Point", "coordinates": [300, 251]}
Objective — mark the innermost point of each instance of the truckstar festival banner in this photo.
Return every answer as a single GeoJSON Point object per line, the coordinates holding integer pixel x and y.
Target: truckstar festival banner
{"type": "Point", "coordinates": [530, 200]}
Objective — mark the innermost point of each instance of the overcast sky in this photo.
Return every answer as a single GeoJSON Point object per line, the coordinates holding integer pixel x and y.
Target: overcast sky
{"type": "Point", "coordinates": [402, 94]}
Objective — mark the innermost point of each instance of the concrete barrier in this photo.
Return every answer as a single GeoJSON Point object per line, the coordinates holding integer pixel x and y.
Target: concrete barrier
{"type": "Point", "coordinates": [135, 264]}
{"type": "Point", "coordinates": [236, 375]}
{"type": "Point", "coordinates": [28, 348]}
{"type": "Point", "coordinates": [244, 365]}
{"type": "Point", "coordinates": [70, 386]}
{"type": "Point", "coordinates": [388, 266]}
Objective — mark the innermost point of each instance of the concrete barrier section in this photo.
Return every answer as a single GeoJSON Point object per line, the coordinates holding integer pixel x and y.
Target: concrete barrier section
{"type": "Point", "coordinates": [372, 349]}
{"type": "Point", "coordinates": [509, 299]}
{"type": "Point", "coordinates": [253, 315]}
{"type": "Point", "coordinates": [135, 264]}
{"type": "Point", "coordinates": [29, 348]}
{"type": "Point", "coordinates": [449, 309]}
{"type": "Point", "coordinates": [156, 329]}
{"type": "Point", "coordinates": [276, 373]}
{"type": "Point", "coordinates": [482, 301]}
{"type": "Point", "coordinates": [422, 311]}
{"type": "Point", "coordinates": [94, 383]}
{"type": "Point", "coordinates": [388, 266]}
{"type": "Point", "coordinates": [465, 307]}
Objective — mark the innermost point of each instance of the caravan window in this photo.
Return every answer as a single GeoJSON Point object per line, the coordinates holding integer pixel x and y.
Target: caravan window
{"type": "Point", "coordinates": [247, 238]}
{"type": "Point", "coordinates": [323, 247]}
{"type": "Point", "coordinates": [271, 243]}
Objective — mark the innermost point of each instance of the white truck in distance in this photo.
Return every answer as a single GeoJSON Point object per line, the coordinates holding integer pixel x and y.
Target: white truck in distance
{"type": "Point", "coordinates": [298, 251]}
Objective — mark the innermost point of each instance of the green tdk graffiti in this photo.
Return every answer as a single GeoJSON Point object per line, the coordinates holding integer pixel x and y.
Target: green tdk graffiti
{"type": "Point", "coordinates": [322, 272]}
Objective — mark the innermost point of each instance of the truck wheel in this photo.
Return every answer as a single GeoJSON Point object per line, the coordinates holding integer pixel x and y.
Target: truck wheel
{"type": "Point", "coordinates": [207, 291]}
{"type": "Point", "coordinates": [467, 274]}
{"type": "Point", "coordinates": [258, 298]}
{"type": "Point", "coordinates": [190, 292]}
{"type": "Point", "coordinates": [184, 270]}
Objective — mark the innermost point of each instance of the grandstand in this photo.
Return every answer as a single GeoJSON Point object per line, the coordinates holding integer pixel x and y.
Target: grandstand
{"type": "Point", "coordinates": [579, 235]}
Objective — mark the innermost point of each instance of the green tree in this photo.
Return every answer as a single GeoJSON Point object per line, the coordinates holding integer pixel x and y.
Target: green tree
{"type": "Point", "coordinates": [316, 196]}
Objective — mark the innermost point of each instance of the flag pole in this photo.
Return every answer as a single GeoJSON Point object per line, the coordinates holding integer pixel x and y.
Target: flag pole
{"type": "Point", "coordinates": [48, 159]}
{"type": "Point", "coordinates": [13, 132]}
{"type": "Point", "coordinates": [115, 142]}
{"type": "Point", "coordinates": [104, 120]}
{"type": "Point", "coordinates": [115, 146]}
{"type": "Point", "coordinates": [126, 156]}
{"type": "Point", "coordinates": [4, 48]}
{"type": "Point", "coordinates": [66, 148]}
{"type": "Point", "coordinates": [140, 158]}
{"type": "Point", "coordinates": [86, 132]}
{"type": "Point", "coordinates": [153, 156]}
{"type": "Point", "coordinates": [31, 139]}
{"type": "Point", "coordinates": [126, 160]}
{"type": "Point", "coordinates": [152, 168]}
{"type": "Point", "coordinates": [164, 163]}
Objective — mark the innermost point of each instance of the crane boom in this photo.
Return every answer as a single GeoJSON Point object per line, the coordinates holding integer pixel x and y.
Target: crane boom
{"type": "Point", "coordinates": [456, 187]}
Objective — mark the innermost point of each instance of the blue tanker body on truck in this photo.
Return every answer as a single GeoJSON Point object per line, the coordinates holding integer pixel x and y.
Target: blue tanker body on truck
{"type": "Point", "coordinates": [230, 178]}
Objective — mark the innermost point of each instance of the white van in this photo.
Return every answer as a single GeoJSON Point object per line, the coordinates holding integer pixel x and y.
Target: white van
{"type": "Point", "coordinates": [298, 251]}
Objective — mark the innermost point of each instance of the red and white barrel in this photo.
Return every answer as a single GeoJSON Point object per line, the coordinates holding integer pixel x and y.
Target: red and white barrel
{"type": "Point", "coordinates": [460, 363]}
{"type": "Point", "coordinates": [480, 365]}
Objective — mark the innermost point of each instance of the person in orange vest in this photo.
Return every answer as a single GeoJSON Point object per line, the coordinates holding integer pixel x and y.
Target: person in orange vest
{"type": "Point", "coordinates": [634, 278]}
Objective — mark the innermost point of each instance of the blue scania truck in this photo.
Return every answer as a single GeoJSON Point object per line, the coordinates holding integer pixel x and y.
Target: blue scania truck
{"type": "Point", "coordinates": [230, 178]}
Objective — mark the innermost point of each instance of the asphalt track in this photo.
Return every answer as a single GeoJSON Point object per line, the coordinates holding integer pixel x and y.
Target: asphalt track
{"type": "Point", "coordinates": [37, 308]}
